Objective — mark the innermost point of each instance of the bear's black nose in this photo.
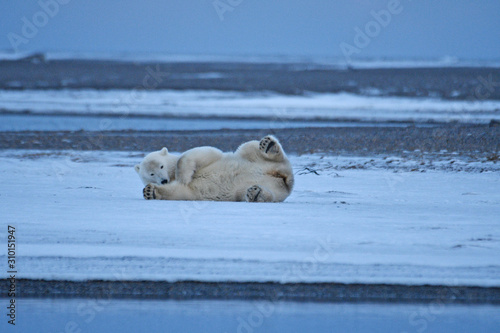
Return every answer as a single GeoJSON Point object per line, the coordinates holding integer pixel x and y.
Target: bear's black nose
{"type": "Point", "coordinates": [164, 181]}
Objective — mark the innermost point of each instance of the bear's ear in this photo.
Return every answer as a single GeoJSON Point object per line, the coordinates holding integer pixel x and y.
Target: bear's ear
{"type": "Point", "coordinates": [164, 151]}
{"type": "Point", "coordinates": [137, 168]}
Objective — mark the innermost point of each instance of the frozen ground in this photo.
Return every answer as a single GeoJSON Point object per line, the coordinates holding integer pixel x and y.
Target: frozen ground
{"type": "Point", "coordinates": [80, 215]}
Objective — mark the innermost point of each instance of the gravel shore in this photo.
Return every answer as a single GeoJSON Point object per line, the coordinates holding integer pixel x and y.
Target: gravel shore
{"type": "Point", "coordinates": [468, 83]}
{"type": "Point", "coordinates": [302, 292]}
{"type": "Point", "coordinates": [467, 140]}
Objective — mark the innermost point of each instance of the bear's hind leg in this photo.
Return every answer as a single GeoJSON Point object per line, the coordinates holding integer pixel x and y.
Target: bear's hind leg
{"type": "Point", "coordinates": [270, 147]}
{"type": "Point", "coordinates": [258, 194]}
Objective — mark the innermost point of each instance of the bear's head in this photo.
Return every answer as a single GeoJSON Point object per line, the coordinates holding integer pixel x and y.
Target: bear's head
{"type": "Point", "coordinates": [157, 167]}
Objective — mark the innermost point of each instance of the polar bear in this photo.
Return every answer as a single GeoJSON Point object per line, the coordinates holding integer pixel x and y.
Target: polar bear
{"type": "Point", "coordinates": [157, 167]}
{"type": "Point", "coordinates": [259, 171]}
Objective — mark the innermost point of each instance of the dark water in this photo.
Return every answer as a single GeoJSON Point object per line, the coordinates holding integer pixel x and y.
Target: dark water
{"type": "Point", "coordinates": [87, 315]}
{"type": "Point", "coordinates": [22, 122]}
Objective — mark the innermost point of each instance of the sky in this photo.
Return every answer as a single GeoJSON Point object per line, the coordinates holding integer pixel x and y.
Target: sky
{"type": "Point", "coordinates": [420, 29]}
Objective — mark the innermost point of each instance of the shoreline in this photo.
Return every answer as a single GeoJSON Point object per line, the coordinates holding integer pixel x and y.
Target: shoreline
{"type": "Point", "coordinates": [266, 291]}
{"type": "Point", "coordinates": [465, 140]}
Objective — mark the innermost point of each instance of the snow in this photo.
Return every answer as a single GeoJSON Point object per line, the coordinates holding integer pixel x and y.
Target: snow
{"type": "Point", "coordinates": [328, 106]}
{"type": "Point", "coordinates": [81, 215]}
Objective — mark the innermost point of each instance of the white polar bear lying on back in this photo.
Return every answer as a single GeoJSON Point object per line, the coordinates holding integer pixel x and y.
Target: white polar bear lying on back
{"type": "Point", "coordinates": [256, 172]}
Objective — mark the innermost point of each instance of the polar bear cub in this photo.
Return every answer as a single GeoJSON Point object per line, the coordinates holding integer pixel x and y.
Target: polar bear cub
{"type": "Point", "coordinates": [157, 167]}
{"type": "Point", "coordinates": [258, 171]}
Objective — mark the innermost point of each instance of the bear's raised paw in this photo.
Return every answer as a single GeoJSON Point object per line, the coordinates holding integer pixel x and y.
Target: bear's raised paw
{"type": "Point", "coordinates": [269, 145]}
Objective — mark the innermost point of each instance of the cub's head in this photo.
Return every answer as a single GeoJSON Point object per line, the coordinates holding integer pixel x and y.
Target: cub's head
{"type": "Point", "coordinates": [157, 167]}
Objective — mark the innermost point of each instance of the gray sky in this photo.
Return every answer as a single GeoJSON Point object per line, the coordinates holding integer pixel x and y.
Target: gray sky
{"type": "Point", "coordinates": [416, 28]}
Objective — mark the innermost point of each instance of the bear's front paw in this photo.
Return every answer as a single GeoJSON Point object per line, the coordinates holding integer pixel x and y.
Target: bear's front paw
{"type": "Point", "coordinates": [253, 194]}
{"type": "Point", "coordinates": [149, 192]}
{"type": "Point", "coordinates": [184, 177]}
{"type": "Point", "coordinates": [269, 145]}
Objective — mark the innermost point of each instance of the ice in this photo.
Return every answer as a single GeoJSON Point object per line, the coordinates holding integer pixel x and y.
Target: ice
{"type": "Point", "coordinates": [81, 215]}
{"type": "Point", "coordinates": [328, 106]}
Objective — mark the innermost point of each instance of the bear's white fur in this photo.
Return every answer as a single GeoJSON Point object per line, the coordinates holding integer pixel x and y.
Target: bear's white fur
{"type": "Point", "coordinates": [258, 171]}
{"type": "Point", "coordinates": [158, 167]}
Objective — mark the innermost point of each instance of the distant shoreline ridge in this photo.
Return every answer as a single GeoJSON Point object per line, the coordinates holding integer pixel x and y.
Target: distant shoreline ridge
{"type": "Point", "coordinates": [334, 62]}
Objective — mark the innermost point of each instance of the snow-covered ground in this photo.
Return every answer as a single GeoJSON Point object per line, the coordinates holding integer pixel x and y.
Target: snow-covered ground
{"type": "Point", "coordinates": [327, 106]}
{"type": "Point", "coordinates": [81, 215]}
